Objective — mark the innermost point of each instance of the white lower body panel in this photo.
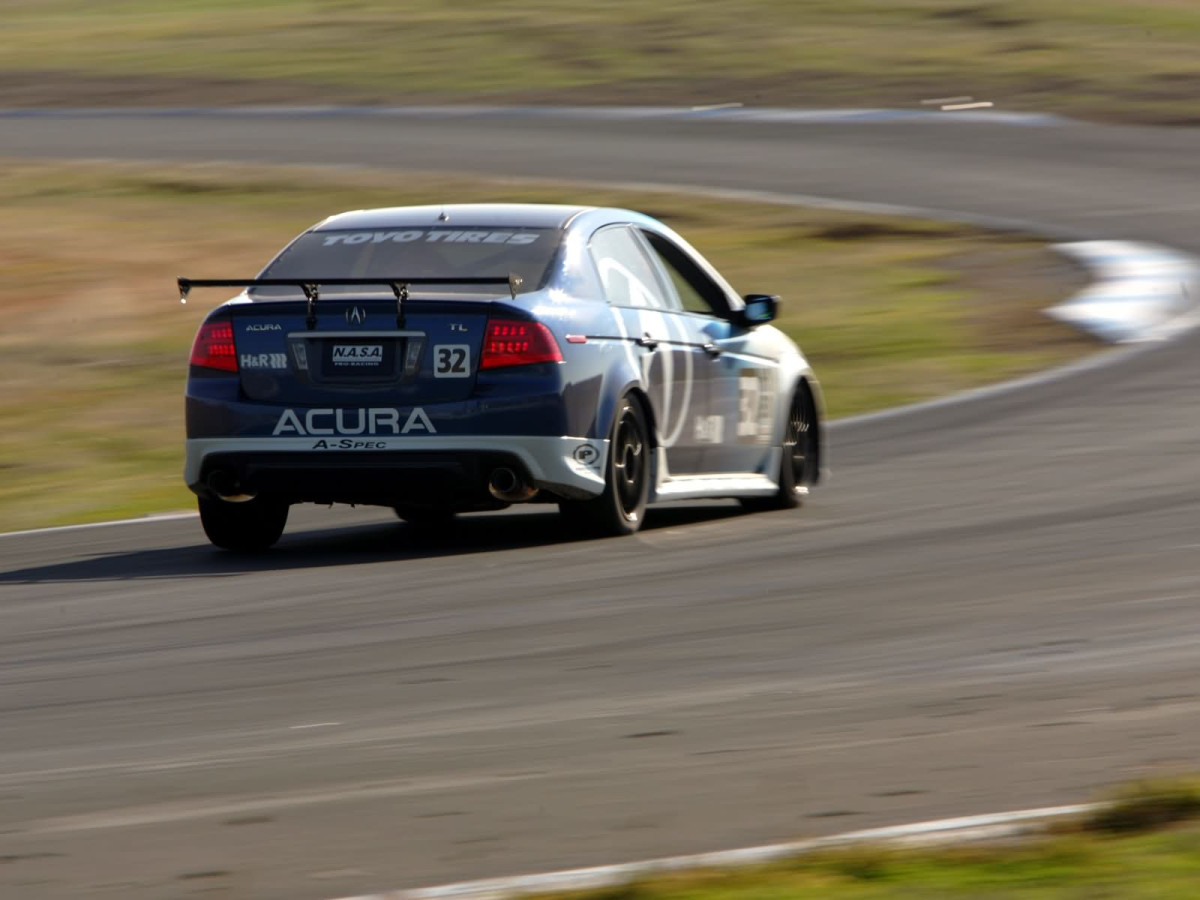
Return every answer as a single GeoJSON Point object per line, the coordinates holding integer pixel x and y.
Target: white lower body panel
{"type": "Point", "coordinates": [570, 465]}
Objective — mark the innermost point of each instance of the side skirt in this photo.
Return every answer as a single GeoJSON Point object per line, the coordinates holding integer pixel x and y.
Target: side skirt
{"type": "Point", "coordinates": [711, 487]}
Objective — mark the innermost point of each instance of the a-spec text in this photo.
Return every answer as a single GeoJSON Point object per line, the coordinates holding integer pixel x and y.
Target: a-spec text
{"type": "Point", "coordinates": [349, 444]}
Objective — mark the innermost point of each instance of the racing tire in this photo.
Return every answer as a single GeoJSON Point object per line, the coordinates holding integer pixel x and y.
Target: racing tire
{"type": "Point", "coordinates": [622, 507]}
{"type": "Point", "coordinates": [249, 527]}
{"type": "Point", "coordinates": [798, 462]}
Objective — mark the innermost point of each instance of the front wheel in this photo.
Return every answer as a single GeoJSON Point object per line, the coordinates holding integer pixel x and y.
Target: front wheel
{"type": "Point", "coordinates": [246, 527]}
{"type": "Point", "coordinates": [622, 507]}
{"type": "Point", "coordinates": [798, 465]}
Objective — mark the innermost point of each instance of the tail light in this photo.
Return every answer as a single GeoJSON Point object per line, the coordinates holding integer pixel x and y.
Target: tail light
{"type": "Point", "coordinates": [513, 342]}
{"type": "Point", "coordinates": [213, 347]}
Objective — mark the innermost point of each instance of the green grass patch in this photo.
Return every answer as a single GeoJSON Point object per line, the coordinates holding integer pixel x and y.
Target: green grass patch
{"type": "Point", "coordinates": [1108, 59]}
{"type": "Point", "coordinates": [1159, 866]}
{"type": "Point", "coordinates": [93, 362]}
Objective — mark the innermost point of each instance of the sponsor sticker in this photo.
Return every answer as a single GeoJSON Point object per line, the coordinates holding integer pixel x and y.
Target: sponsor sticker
{"type": "Point", "coordinates": [357, 354]}
{"type": "Point", "coordinates": [709, 429]}
{"type": "Point", "coordinates": [262, 360]}
{"type": "Point", "coordinates": [756, 404]}
{"type": "Point", "coordinates": [587, 454]}
{"type": "Point", "coordinates": [430, 236]}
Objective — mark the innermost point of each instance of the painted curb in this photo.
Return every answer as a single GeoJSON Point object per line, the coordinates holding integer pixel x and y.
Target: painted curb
{"type": "Point", "coordinates": [143, 520]}
{"type": "Point", "coordinates": [1142, 292]}
{"type": "Point", "coordinates": [959, 830]}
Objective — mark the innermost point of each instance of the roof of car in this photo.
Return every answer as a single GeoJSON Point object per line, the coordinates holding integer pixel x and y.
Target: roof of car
{"type": "Point", "coordinates": [475, 215]}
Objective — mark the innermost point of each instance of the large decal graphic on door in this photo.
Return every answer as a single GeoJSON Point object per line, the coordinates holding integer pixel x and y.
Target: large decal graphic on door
{"type": "Point", "coordinates": [674, 412]}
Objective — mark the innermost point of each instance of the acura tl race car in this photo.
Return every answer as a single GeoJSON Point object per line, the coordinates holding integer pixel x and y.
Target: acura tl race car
{"type": "Point", "coordinates": [446, 359]}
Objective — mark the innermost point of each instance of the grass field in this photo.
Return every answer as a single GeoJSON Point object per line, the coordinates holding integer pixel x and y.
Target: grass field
{"type": "Point", "coordinates": [1106, 59]}
{"type": "Point", "coordinates": [1141, 845]}
{"type": "Point", "coordinates": [92, 358]}
{"type": "Point", "coordinates": [1160, 866]}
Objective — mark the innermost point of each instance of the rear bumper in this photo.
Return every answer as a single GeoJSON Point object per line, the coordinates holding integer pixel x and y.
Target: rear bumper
{"type": "Point", "coordinates": [427, 469]}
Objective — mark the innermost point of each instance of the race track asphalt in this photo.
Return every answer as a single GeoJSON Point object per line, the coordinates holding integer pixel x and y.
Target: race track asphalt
{"type": "Point", "coordinates": [989, 606]}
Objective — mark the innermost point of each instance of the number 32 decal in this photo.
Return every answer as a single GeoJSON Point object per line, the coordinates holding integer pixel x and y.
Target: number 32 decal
{"type": "Point", "coordinates": [451, 361]}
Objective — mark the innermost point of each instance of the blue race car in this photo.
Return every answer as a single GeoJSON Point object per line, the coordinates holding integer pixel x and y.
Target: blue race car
{"type": "Point", "coordinates": [446, 359]}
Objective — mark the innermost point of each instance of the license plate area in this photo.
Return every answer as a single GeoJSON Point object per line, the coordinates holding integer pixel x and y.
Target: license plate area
{"type": "Point", "coordinates": [357, 358]}
{"type": "Point", "coordinates": [354, 359]}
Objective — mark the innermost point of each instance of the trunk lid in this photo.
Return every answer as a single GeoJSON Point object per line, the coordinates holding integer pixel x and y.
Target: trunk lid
{"type": "Point", "coordinates": [356, 353]}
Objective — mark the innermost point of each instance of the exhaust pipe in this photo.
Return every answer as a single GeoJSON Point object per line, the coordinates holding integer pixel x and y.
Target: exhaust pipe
{"type": "Point", "coordinates": [506, 485]}
{"type": "Point", "coordinates": [224, 483]}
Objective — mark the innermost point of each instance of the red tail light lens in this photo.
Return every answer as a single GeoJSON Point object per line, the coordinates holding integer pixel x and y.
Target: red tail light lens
{"type": "Point", "coordinates": [213, 347]}
{"type": "Point", "coordinates": [512, 342]}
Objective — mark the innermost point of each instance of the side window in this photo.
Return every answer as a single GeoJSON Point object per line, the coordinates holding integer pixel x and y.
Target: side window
{"type": "Point", "coordinates": [627, 276]}
{"type": "Point", "coordinates": [697, 292]}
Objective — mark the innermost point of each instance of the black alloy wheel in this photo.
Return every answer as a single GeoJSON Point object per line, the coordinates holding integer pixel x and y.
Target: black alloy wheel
{"type": "Point", "coordinates": [622, 507]}
{"type": "Point", "coordinates": [630, 459]}
{"type": "Point", "coordinates": [797, 467]}
{"type": "Point", "coordinates": [799, 444]}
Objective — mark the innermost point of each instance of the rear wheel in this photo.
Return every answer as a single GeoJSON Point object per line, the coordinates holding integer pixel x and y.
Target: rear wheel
{"type": "Point", "coordinates": [622, 507]}
{"type": "Point", "coordinates": [797, 466]}
{"type": "Point", "coordinates": [244, 527]}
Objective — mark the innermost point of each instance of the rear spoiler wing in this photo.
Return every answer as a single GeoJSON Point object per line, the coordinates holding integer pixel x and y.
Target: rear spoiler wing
{"type": "Point", "coordinates": [311, 288]}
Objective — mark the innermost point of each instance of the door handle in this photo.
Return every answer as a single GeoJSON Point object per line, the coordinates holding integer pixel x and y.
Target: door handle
{"type": "Point", "coordinates": [712, 350]}
{"type": "Point", "coordinates": [648, 342]}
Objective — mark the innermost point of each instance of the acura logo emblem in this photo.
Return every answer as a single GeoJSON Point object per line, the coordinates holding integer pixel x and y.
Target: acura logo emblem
{"type": "Point", "coordinates": [355, 315]}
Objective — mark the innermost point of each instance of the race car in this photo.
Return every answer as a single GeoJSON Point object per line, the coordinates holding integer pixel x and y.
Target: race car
{"type": "Point", "coordinates": [446, 359]}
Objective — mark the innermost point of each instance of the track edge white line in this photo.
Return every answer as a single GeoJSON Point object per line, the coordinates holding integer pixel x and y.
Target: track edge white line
{"type": "Point", "coordinates": [958, 830]}
{"type": "Point", "coordinates": [141, 520]}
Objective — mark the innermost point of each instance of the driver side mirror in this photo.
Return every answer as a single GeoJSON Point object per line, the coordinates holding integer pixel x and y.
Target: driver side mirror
{"type": "Point", "coordinates": [760, 309]}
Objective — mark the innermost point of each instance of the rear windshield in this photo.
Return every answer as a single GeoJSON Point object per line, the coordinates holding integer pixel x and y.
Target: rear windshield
{"type": "Point", "coordinates": [402, 253]}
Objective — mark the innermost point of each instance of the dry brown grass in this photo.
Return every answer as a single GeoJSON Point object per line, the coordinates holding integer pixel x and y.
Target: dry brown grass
{"type": "Point", "coordinates": [1108, 59]}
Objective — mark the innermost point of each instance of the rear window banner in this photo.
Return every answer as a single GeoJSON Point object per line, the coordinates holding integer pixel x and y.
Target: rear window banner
{"type": "Point", "coordinates": [427, 253]}
{"type": "Point", "coordinates": [429, 236]}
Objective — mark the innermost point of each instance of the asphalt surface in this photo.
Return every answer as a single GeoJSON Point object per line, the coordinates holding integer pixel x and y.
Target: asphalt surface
{"type": "Point", "coordinates": [988, 606]}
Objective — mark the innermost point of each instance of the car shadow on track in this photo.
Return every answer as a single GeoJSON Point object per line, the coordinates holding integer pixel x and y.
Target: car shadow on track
{"type": "Point", "coordinates": [316, 548]}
